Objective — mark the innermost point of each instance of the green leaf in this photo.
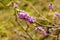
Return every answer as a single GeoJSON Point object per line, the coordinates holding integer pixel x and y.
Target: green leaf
{"type": "Point", "coordinates": [17, 9]}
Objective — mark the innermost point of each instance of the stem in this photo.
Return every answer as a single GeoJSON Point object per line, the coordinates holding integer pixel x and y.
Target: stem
{"type": "Point", "coordinates": [49, 26]}
{"type": "Point", "coordinates": [58, 35]}
{"type": "Point", "coordinates": [27, 26]}
{"type": "Point", "coordinates": [24, 30]}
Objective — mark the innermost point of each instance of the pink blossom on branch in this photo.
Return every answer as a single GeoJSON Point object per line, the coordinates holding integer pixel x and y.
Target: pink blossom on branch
{"type": "Point", "coordinates": [42, 30]}
{"type": "Point", "coordinates": [24, 15]}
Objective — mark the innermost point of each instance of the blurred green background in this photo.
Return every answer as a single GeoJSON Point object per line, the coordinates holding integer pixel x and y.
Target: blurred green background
{"type": "Point", "coordinates": [9, 28]}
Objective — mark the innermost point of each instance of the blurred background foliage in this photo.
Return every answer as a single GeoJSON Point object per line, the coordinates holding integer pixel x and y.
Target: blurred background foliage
{"type": "Point", "coordinates": [9, 28]}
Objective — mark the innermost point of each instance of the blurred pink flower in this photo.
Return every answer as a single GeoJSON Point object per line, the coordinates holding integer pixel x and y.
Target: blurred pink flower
{"type": "Point", "coordinates": [15, 6]}
{"type": "Point", "coordinates": [18, 2]}
{"type": "Point", "coordinates": [24, 15]}
{"type": "Point", "coordinates": [42, 30]}
{"type": "Point", "coordinates": [50, 6]}
{"type": "Point", "coordinates": [57, 14]}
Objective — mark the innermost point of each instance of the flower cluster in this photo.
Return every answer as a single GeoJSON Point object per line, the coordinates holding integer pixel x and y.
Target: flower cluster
{"type": "Point", "coordinates": [42, 30]}
{"type": "Point", "coordinates": [24, 15]}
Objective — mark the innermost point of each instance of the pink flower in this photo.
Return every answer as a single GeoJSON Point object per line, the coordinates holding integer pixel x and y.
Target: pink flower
{"type": "Point", "coordinates": [15, 6]}
{"type": "Point", "coordinates": [50, 6]}
{"type": "Point", "coordinates": [42, 30]}
{"type": "Point", "coordinates": [57, 14]}
{"type": "Point", "coordinates": [30, 19]}
{"type": "Point", "coordinates": [22, 14]}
